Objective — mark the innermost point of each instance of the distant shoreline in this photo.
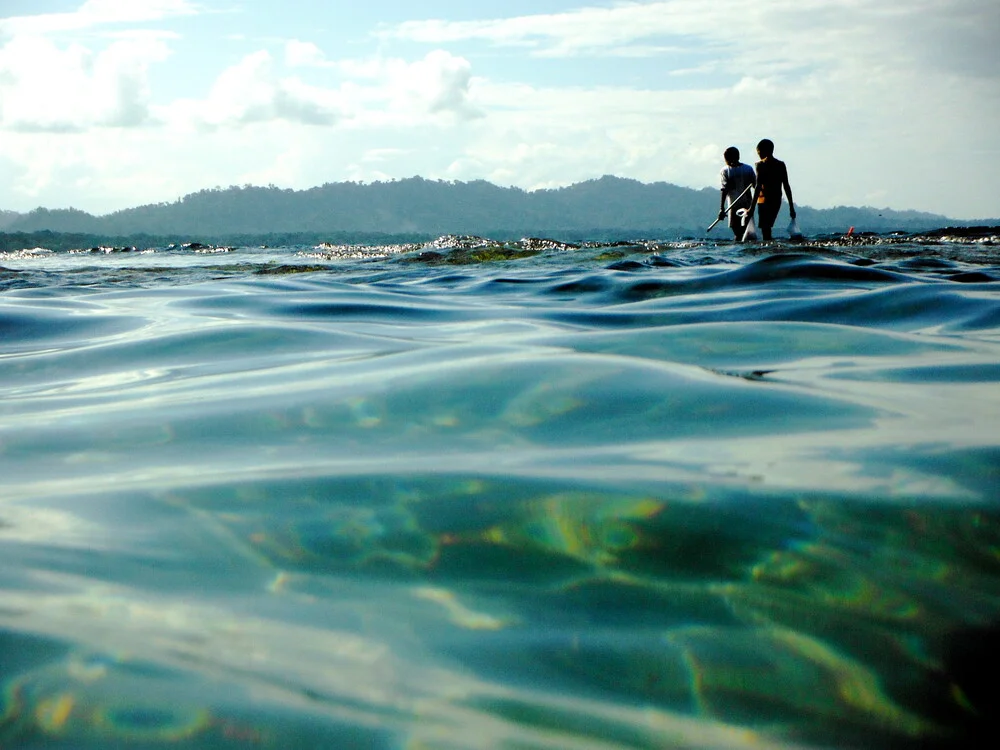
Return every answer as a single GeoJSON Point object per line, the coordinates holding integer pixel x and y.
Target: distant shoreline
{"type": "Point", "coordinates": [416, 209]}
{"type": "Point", "coordinates": [66, 241]}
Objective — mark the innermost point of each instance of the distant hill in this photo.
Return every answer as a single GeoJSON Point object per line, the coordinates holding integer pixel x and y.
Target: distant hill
{"type": "Point", "coordinates": [7, 218]}
{"type": "Point", "coordinates": [609, 207]}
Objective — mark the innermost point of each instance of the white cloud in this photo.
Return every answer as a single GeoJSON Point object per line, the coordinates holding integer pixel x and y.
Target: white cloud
{"type": "Point", "coordinates": [439, 83]}
{"type": "Point", "coordinates": [299, 54]}
{"type": "Point", "coordinates": [251, 91]}
{"type": "Point", "coordinates": [369, 91]}
{"type": "Point", "coordinates": [95, 13]}
{"type": "Point", "coordinates": [547, 137]}
{"type": "Point", "coordinates": [246, 92]}
{"type": "Point", "coordinates": [49, 85]}
{"type": "Point", "coordinates": [372, 91]}
{"type": "Point", "coordinates": [44, 87]}
{"type": "Point", "coordinates": [580, 31]}
{"type": "Point", "coordinates": [782, 33]}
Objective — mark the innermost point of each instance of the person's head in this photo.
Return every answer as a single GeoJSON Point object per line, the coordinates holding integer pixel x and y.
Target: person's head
{"type": "Point", "coordinates": [765, 148]}
{"type": "Point", "coordinates": [732, 156]}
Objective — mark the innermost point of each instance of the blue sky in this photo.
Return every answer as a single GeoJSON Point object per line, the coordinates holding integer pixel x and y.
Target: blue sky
{"type": "Point", "coordinates": [108, 104]}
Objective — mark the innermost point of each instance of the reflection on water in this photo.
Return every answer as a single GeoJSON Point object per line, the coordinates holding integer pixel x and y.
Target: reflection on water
{"type": "Point", "coordinates": [680, 497]}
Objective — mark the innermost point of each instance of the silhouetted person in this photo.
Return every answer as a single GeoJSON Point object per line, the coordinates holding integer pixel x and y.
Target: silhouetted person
{"type": "Point", "coordinates": [736, 178]}
{"type": "Point", "coordinates": [772, 176]}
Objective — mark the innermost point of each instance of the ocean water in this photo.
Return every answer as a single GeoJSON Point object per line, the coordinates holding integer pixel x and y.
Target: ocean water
{"type": "Point", "coordinates": [678, 494]}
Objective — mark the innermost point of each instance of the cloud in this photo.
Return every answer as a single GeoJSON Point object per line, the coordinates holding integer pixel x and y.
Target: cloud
{"type": "Point", "coordinates": [95, 13]}
{"type": "Point", "coordinates": [299, 54]}
{"type": "Point", "coordinates": [438, 83]}
{"type": "Point", "coordinates": [581, 31]}
{"type": "Point", "coordinates": [359, 93]}
{"type": "Point", "coordinates": [53, 86]}
{"type": "Point", "coordinates": [547, 137]}
{"type": "Point", "coordinates": [48, 88]}
{"type": "Point", "coordinates": [252, 92]}
{"type": "Point", "coordinates": [778, 33]}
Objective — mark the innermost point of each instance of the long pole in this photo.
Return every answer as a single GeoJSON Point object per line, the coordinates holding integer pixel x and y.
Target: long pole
{"type": "Point", "coordinates": [731, 205]}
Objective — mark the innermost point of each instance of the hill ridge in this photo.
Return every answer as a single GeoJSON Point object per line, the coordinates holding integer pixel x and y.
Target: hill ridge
{"type": "Point", "coordinates": [416, 205]}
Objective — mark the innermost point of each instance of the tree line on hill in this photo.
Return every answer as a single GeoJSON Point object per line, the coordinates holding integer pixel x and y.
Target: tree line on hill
{"type": "Point", "coordinates": [415, 208]}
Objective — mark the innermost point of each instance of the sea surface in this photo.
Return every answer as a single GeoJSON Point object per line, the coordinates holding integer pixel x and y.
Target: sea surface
{"type": "Point", "coordinates": [526, 495]}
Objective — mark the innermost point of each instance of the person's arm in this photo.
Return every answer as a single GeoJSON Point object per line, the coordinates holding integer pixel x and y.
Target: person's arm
{"type": "Point", "coordinates": [753, 202]}
{"type": "Point", "coordinates": [788, 192]}
{"type": "Point", "coordinates": [722, 197]}
{"type": "Point", "coordinates": [756, 191]}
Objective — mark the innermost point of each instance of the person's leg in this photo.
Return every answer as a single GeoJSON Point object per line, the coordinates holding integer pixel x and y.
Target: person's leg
{"type": "Point", "coordinates": [766, 214]}
{"type": "Point", "coordinates": [736, 224]}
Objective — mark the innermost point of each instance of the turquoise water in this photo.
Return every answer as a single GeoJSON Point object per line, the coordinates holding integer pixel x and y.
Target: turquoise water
{"type": "Point", "coordinates": [640, 495]}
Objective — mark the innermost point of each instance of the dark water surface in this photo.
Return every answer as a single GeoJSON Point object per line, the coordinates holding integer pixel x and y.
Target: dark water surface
{"type": "Point", "coordinates": [468, 495]}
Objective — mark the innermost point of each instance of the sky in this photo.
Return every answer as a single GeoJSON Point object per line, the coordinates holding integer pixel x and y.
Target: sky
{"type": "Point", "coordinates": [110, 104]}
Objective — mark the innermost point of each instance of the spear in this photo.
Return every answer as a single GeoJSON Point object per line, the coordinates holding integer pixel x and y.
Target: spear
{"type": "Point", "coordinates": [732, 204]}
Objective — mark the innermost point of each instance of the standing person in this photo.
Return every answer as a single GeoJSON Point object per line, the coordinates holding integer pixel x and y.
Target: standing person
{"type": "Point", "coordinates": [772, 176]}
{"type": "Point", "coordinates": [736, 178]}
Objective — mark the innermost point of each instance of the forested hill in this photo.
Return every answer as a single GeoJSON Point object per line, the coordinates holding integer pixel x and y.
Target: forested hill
{"type": "Point", "coordinates": [601, 208]}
